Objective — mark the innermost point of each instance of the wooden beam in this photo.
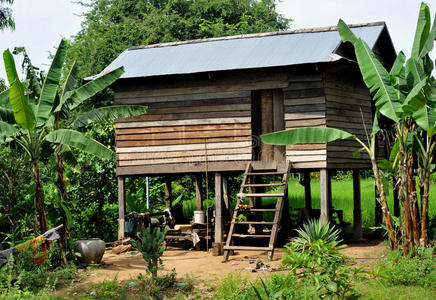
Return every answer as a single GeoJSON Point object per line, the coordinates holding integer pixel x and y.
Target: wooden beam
{"type": "Point", "coordinates": [325, 207]}
{"type": "Point", "coordinates": [219, 222]}
{"type": "Point", "coordinates": [307, 191]}
{"type": "Point", "coordinates": [168, 192]}
{"type": "Point", "coordinates": [198, 198]}
{"type": "Point", "coordinates": [121, 206]}
{"type": "Point", "coordinates": [357, 209]}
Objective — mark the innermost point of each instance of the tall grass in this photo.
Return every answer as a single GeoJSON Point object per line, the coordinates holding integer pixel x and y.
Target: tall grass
{"type": "Point", "coordinates": [342, 199]}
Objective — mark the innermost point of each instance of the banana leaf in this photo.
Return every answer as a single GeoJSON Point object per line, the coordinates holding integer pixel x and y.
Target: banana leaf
{"type": "Point", "coordinates": [305, 135]}
{"type": "Point", "coordinates": [7, 129]}
{"type": "Point", "coordinates": [7, 115]}
{"type": "Point", "coordinates": [91, 88]}
{"type": "Point", "coordinates": [422, 30]}
{"type": "Point", "coordinates": [79, 140]}
{"type": "Point", "coordinates": [108, 113]}
{"type": "Point", "coordinates": [51, 84]}
{"type": "Point", "coordinates": [23, 112]}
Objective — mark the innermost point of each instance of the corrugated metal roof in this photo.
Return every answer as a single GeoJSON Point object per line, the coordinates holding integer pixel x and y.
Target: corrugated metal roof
{"type": "Point", "coordinates": [275, 49]}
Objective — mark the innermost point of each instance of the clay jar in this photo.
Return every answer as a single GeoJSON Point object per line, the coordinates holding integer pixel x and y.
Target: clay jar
{"type": "Point", "coordinates": [91, 249]}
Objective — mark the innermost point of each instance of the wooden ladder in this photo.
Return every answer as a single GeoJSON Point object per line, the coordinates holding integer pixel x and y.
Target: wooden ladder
{"type": "Point", "coordinates": [248, 182]}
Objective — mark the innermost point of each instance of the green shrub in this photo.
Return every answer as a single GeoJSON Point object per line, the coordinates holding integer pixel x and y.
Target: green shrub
{"type": "Point", "coordinates": [317, 245]}
{"type": "Point", "coordinates": [314, 256]}
{"type": "Point", "coordinates": [150, 245]}
{"type": "Point", "coordinates": [419, 270]}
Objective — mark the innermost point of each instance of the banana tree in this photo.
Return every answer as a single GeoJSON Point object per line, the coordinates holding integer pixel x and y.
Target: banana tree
{"type": "Point", "coordinates": [406, 95]}
{"type": "Point", "coordinates": [38, 120]}
{"type": "Point", "coordinates": [311, 135]}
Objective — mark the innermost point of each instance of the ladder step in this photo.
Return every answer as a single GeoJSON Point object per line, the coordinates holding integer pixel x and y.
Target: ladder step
{"type": "Point", "coordinates": [263, 209]}
{"type": "Point", "coordinates": [255, 209]}
{"type": "Point", "coordinates": [261, 184]}
{"type": "Point", "coordinates": [251, 235]}
{"type": "Point", "coordinates": [265, 173]}
{"type": "Point", "coordinates": [248, 248]}
{"type": "Point", "coordinates": [244, 195]}
{"type": "Point", "coordinates": [254, 222]}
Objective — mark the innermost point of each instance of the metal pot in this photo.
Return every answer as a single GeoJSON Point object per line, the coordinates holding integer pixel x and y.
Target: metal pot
{"type": "Point", "coordinates": [91, 250]}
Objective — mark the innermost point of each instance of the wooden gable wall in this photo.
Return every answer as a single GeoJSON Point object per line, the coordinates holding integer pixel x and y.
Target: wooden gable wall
{"type": "Point", "coordinates": [190, 118]}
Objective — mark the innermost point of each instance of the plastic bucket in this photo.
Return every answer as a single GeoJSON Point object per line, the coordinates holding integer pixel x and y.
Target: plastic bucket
{"type": "Point", "coordinates": [199, 217]}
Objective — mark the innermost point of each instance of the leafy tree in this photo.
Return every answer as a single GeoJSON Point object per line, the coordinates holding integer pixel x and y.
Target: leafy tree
{"type": "Point", "coordinates": [6, 20]}
{"type": "Point", "coordinates": [31, 121]}
{"type": "Point", "coordinates": [111, 26]}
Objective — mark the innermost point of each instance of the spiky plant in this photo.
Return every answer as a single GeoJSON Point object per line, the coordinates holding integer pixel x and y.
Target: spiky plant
{"type": "Point", "coordinates": [315, 230]}
{"type": "Point", "coordinates": [150, 244]}
{"type": "Point", "coordinates": [317, 245]}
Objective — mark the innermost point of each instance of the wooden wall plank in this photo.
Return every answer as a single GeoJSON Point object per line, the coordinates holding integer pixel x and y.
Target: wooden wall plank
{"type": "Point", "coordinates": [138, 143]}
{"type": "Point", "coordinates": [348, 101]}
{"type": "Point", "coordinates": [185, 128]}
{"type": "Point", "coordinates": [199, 146]}
{"type": "Point", "coordinates": [187, 153]}
{"type": "Point", "coordinates": [185, 135]}
{"type": "Point", "coordinates": [305, 105]}
{"type": "Point", "coordinates": [119, 124]}
{"type": "Point", "coordinates": [187, 159]}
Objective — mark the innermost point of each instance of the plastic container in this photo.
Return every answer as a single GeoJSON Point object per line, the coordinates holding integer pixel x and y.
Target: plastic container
{"type": "Point", "coordinates": [198, 217]}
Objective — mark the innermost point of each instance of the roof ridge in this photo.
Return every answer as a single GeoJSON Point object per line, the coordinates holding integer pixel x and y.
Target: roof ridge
{"type": "Point", "coordinates": [254, 35]}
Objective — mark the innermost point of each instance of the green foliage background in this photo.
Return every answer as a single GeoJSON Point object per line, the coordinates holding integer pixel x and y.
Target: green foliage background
{"type": "Point", "coordinates": [110, 27]}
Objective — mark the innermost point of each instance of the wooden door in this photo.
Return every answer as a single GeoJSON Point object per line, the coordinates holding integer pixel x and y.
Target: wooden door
{"type": "Point", "coordinates": [267, 117]}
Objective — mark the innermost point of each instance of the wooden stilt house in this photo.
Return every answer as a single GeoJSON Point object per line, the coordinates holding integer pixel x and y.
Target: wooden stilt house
{"type": "Point", "coordinates": [210, 100]}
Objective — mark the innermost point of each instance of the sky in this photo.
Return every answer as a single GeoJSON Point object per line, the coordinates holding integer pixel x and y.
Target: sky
{"type": "Point", "coordinates": [40, 24]}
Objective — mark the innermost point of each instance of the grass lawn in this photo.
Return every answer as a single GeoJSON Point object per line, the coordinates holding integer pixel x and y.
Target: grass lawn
{"type": "Point", "coordinates": [342, 198]}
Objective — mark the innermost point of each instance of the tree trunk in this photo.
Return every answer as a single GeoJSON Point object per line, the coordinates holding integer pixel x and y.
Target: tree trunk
{"type": "Point", "coordinates": [386, 213]}
{"type": "Point", "coordinates": [60, 182]}
{"type": "Point", "coordinates": [424, 211]}
{"type": "Point", "coordinates": [408, 239]}
{"type": "Point", "coordinates": [62, 189]}
{"type": "Point", "coordinates": [413, 198]}
{"type": "Point", "coordinates": [39, 197]}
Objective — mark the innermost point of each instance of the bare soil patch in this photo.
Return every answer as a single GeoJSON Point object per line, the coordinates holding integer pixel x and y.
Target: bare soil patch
{"type": "Point", "coordinates": [201, 266]}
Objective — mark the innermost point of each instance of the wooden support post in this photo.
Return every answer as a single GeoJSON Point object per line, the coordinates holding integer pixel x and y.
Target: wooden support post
{"type": "Point", "coordinates": [357, 209]}
{"type": "Point", "coordinates": [307, 191]}
{"type": "Point", "coordinates": [325, 207]}
{"type": "Point", "coordinates": [121, 205]}
{"type": "Point", "coordinates": [219, 222]}
{"type": "Point", "coordinates": [198, 198]}
{"type": "Point", "coordinates": [168, 192]}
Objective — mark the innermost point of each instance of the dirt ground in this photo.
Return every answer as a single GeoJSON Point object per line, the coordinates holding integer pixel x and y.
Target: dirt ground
{"type": "Point", "coordinates": [202, 266]}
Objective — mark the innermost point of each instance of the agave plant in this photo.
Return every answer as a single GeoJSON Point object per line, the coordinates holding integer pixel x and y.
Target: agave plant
{"type": "Point", "coordinates": [315, 230]}
{"type": "Point", "coordinates": [317, 245]}
{"type": "Point", "coordinates": [31, 119]}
